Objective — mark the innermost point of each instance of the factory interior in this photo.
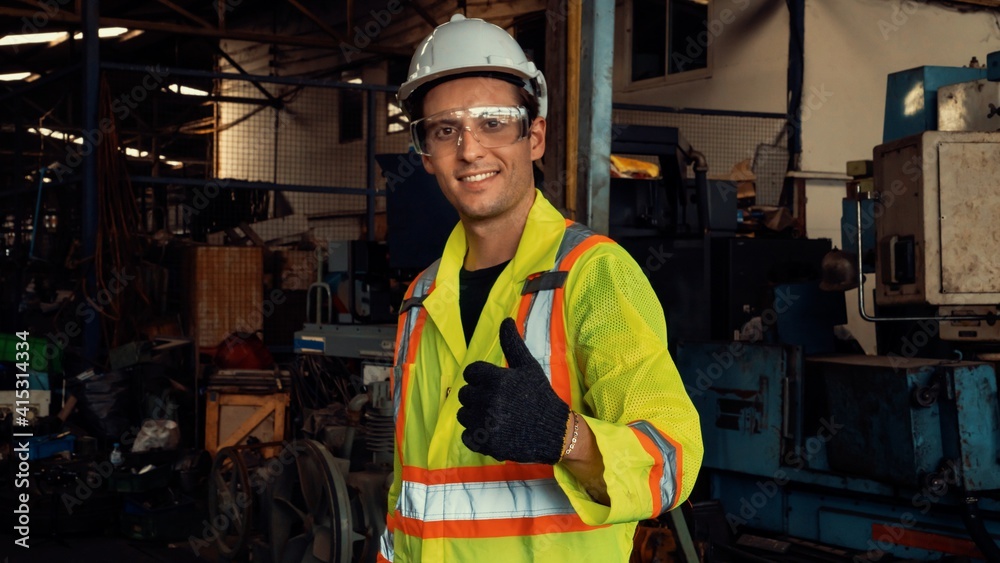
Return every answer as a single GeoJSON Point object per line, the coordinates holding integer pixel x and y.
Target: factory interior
{"type": "Point", "coordinates": [210, 213]}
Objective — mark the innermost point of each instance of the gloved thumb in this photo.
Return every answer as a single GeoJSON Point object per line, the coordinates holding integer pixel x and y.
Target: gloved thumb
{"type": "Point", "coordinates": [514, 348]}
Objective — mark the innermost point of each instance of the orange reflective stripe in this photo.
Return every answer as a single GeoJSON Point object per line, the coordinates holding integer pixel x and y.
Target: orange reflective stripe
{"type": "Point", "coordinates": [557, 345]}
{"type": "Point", "coordinates": [655, 473]}
{"type": "Point", "coordinates": [584, 246]}
{"type": "Point", "coordinates": [380, 559]}
{"type": "Point", "coordinates": [473, 474]}
{"type": "Point", "coordinates": [494, 527]}
{"type": "Point", "coordinates": [411, 354]}
{"type": "Point", "coordinates": [557, 339]}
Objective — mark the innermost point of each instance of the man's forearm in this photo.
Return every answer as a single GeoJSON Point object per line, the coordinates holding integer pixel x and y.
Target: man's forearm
{"type": "Point", "coordinates": [585, 461]}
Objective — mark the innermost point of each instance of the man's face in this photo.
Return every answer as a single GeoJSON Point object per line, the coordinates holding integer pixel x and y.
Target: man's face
{"type": "Point", "coordinates": [484, 183]}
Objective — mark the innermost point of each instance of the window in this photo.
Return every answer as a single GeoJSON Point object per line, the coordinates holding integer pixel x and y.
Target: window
{"type": "Point", "coordinates": [352, 110]}
{"type": "Point", "coordinates": [665, 41]}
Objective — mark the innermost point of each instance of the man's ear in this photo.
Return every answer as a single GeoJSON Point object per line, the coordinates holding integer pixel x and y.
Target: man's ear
{"type": "Point", "coordinates": [428, 166]}
{"type": "Point", "coordinates": [537, 138]}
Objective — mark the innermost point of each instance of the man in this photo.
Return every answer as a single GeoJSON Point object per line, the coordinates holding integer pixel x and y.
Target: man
{"type": "Point", "coordinates": [549, 448]}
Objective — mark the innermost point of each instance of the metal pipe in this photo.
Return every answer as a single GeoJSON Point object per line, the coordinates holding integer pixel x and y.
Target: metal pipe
{"type": "Point", "coordinates": [236, 76]}
{"type": "Point", "coordinates": [861, 286]}
{"type": "Point", "coordinates": [91, 87]}
{"type": "Point", "coordinates": [696, 111]}
{"type": "Point", "coordinates": [38, 212]}
{"type": "Point", "coordinates": [246, 185]}
{"type": "Point", "coordinates": [370, 172]}
{"type": "Point", "coordinates": [597, 25]}
{"type": "Point", "coordinates": [701, 184]}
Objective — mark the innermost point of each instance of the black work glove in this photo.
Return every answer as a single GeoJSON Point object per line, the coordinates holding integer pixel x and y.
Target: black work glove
{"type": "Point", "coordinates": [512, 414]}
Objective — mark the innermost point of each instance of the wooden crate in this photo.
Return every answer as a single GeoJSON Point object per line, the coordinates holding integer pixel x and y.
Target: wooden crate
{"type": "Point", "coordinates": [231, 418]}
{"type": "Point", "coordinates": [225, 292]}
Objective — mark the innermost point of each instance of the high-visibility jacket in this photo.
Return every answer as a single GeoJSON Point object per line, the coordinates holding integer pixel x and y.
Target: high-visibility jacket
{"type": "Point", "coordinates": [590, 317]}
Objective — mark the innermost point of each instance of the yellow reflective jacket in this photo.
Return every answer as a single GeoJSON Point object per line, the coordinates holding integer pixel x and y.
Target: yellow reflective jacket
{"type": "Point", "coordinates": [608, 340]}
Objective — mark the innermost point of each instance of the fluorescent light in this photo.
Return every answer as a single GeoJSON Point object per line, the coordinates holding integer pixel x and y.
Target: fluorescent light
{"type": "Point", "coordinates": [46, 132]}
{"type": "Point", "coordinates": [171, 163]}
{"type": "Point", "coordinates": [105, 32]}
{"type": "Point", "coordinates": [186, 91]}
{"type": "Point", "coordinates": [14, 76]}
{"type": "Point", "coordinates": [27, 38]}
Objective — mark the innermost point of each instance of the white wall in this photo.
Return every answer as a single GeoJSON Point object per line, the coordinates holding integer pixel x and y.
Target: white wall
{"type": "Point", "coordinates": [749, 59]}
{"type": "Point", "coordinates": [851, 46]}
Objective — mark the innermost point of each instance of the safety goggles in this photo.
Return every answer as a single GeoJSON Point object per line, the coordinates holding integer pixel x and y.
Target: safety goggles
{"type": "Point", "coordinates": [491, 126]}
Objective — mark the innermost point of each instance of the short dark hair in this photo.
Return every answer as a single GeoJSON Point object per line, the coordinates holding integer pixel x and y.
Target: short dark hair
{"type": "Point", "coordinates": [415, 103]}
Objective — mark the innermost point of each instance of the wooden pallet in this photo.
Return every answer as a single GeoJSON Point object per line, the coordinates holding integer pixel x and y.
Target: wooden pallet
{"type": "Point", "coordinates": [231, 418]}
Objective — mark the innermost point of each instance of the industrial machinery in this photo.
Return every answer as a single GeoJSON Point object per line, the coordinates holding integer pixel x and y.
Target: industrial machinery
{"type": "Point", "coordinates": [325, 498]}
{"type": "Point", "coordinates": [841, 457]}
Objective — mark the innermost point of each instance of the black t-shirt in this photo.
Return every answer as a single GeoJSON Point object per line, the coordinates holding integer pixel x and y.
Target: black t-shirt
{"type": "Point", "coordinates": [473, 291]}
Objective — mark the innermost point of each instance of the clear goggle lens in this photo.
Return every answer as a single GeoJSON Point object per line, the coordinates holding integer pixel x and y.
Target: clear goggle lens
{"type": "Point", "coordinates": [491, 126]}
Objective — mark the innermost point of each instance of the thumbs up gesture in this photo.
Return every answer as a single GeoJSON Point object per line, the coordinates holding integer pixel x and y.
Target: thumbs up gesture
{"type": "Point", "coordinates": [512, 414]}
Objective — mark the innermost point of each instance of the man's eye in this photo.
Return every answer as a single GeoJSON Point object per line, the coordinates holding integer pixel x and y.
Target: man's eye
{"type": "Point", "coordinates": [443, 132]}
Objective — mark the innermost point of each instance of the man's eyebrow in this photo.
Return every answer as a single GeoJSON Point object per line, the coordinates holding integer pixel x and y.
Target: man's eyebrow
{"type": "Point", "coordinates": [448, 120]}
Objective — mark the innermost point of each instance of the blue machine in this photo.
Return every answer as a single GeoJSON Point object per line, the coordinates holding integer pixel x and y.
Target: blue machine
{"type": "Point", "coordinates": [874, 454]}
{"type": "Point", "coordinates": [815, 456]}
{"type": "Point", "coordinates": [911, 98]}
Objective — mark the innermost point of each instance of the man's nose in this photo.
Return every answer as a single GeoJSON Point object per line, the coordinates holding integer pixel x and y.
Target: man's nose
{"type": "Point", "coordinates": [469, 149]}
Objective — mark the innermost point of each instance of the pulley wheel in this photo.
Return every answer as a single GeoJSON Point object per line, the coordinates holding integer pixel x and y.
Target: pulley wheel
{"type": "Point", "coordinates": [310, 510]}
{"type": "Point", "coordinates": [230, 502]}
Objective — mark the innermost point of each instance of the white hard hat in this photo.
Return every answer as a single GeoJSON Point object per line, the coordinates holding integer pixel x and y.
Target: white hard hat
{"type": "Point", "coordinates": [462, 46]}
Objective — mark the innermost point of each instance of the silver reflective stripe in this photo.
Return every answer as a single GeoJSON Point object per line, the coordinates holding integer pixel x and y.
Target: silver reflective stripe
{"type": "Point", "coordinates": [537, 329]}
{"type": "Point", "coordinates": [421, 289]}
{"type": "Point", "coordinates": [668, 457]}
{"type": "Point", "coordinates": [538, 323]}
{"type": "Point", "coordinates": [574, 235]}
{"type": "Point", "coordinates": [386, 543]}
{"type": "Point", "coordinates": [485, 500]}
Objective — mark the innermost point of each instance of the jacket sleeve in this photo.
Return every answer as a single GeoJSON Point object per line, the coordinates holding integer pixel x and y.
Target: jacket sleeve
{"type": "Point", "coordinates": [647, 430]}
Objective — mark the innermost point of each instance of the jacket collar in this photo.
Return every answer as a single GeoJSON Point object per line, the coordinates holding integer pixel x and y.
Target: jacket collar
{"type": "Point", "coordinates": [536, 252]}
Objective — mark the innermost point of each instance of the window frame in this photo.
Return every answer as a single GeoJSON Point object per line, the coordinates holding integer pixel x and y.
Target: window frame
{"type": "Point", "coordinates": [623, 55]}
